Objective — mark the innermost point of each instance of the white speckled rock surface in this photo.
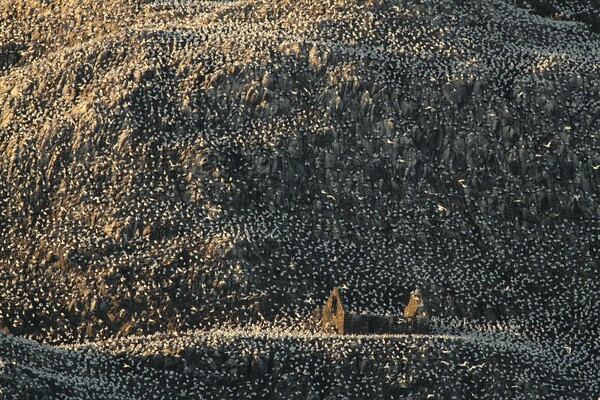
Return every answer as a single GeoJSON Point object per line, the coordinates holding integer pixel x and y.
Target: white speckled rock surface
{"type": "Point", "coordinates": [183, 182]}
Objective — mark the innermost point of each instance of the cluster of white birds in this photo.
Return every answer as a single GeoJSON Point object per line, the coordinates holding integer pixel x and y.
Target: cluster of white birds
{"type": "Point", "coordinates": [279, 364]}
{"type": "Point", "coordinates": [202, 164]}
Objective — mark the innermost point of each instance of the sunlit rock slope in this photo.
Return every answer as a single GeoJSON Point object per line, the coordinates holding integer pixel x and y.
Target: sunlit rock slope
{"type": "Point", "coordinates": [176, 165]}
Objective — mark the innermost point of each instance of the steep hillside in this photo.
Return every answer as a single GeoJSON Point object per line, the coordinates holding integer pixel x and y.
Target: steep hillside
{"type": "Point", "coordinates": [176, 165]}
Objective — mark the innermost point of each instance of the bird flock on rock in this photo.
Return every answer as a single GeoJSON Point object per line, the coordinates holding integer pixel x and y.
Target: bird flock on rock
{"type": "Point", "coordinates": [277, 364]}
{"type": "Point", "coordinates": [171, 166]}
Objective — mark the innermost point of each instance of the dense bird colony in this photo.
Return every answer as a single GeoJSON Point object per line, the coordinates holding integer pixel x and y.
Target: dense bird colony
{"type": "Point", "coordinates": [275, 364]}
{"type": "Point", "coordinates": [176, 174]}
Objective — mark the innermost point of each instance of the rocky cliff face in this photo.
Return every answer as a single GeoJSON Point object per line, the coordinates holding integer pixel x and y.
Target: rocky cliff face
{"type": "Point", "coordinates": [167, 165]}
